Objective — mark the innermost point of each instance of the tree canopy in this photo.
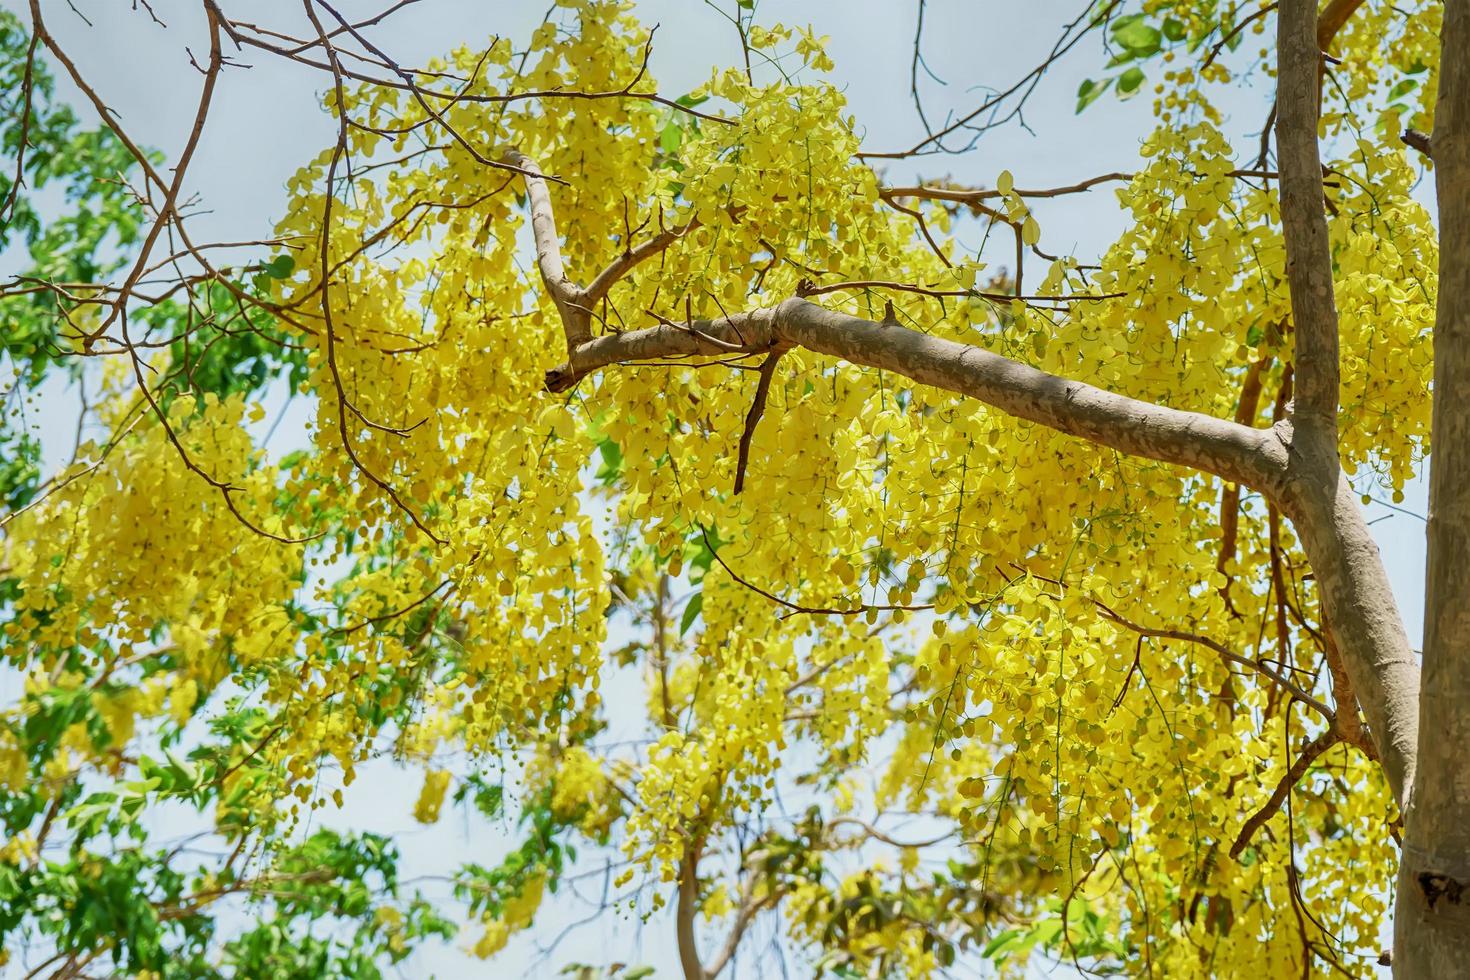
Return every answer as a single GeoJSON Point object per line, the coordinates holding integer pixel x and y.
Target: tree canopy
{"type": "Point", "coordinates": [690, 498]}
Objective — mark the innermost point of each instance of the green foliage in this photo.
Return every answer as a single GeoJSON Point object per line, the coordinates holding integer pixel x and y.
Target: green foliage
{"type": "Point", "coordinates": [543, 855]}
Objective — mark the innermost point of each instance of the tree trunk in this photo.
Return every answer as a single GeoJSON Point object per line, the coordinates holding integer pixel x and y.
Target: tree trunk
{"type": "Point", "coordinates": [1432, 922]}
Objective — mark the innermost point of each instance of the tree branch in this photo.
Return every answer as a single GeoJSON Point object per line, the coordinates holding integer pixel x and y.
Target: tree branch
{"type": "Point", "coordinates": [965, 195]}
{"type": "Point", "coordinates": [630, 258]}
{"type": "Point", "coordinates": [1300, 475]}
{"type": "Point", "coordinates": [684, 915]}
{"type": "Point", "coordinates": [1310, 753]}
{"type": "Point", "coordinates": [1303, 218]}
{"type": "Point", "coordinates": [1234, 452]}
{"type": "Point", "coordinates": [1358, 601]}
{"type": "Point", "coordinates": [757, 407]}
{"type": "Point", "coordinates": [571, 300]}
{"type": "Point", "coordinates": [750, 907]}
{"type": "Point", "coordinates": [1356, 595]}
{"type": "Point", "coordinates": [1333, 17]}
{"type": "Point", "coordinates": [1225, 653]}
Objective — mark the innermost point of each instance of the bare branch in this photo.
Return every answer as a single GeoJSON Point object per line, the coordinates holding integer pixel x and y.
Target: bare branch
{"type": "Point", "coordinates": [1225, 653]}
{"type": "Point", "coordinates": [344, 404]}
{"type": "Point", "coordinates": [630, 258]}
{"type": "Point", "coordinates": [1416, 140]}
{"type": "Point", "coordinates": [1309, 754]}
{"type": "Point", "coordinates": [934, 142]}
{"type": "Point", "coordinates": [757, 408]}
{"type": "Point", "coordinates": [27, 93]}
{"type": "Point", "coordinates": [571, 300]}
{"type": "Point", "coordinates": [1235, 452]}
{"type": "Point", "coordinates": [795, 608]}
{"type": "Point", "coordinates": [967, 195]}
{"type": "Point", "coordinates": [1303, 218]}
{"type": "Point", "coordinates": [904, 287]}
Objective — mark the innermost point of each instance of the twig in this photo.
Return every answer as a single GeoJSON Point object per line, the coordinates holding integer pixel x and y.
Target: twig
{"type": "Point", "coordinates": [1309, 754]}
{"type": "Point", "coordinates": [753, 418]}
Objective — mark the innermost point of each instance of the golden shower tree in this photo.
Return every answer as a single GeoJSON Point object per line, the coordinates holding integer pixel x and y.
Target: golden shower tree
{"type": "Point", "coordinates": [978, 614]}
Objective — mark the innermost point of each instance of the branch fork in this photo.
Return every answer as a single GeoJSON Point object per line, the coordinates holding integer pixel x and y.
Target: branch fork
{"type": "Point", "coordinates": [1293, 463]}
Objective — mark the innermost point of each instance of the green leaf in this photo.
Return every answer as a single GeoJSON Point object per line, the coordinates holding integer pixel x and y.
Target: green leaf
{"type": "Point", "coordinates": [280, 267]}
{"type": "Point", "coordinates": [1046, 932]}
{"type": "Point", "coordinates": [1255, 335]}
{"type": "Point", "coordinates": [1173, 29]}
{"type": "Point", "coordinates": [1129, 82]}
{"type": "Point", "coordinates": [1138, 38]}
{"type": "Point", "coordinates": [1402, 89]}
{"type": "Point", "coordinates": [691, 612]}
{"type": "Point", "coordinates": [1089, 91]}
{"type": "Point", "coordinates": [612, 461]}
{"type": "Point", "coordinates": [669, 138]}
{"type": "Point", "coordinates": [1000, 945]}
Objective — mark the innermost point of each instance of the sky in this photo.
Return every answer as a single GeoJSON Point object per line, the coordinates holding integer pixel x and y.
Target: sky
{"type": "Point", "coordinates": [267, 121]}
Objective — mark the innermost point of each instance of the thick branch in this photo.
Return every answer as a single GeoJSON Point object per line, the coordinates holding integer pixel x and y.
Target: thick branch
{"type": "Point", "coordinates": [1294, 466]}
{"type": "Point", "coordinates": [1303, 219]}
{"type": "Point", "coordinates": [1359, 603]}
{"type": "Point", "coordinates": [687, 907]}
{"type": "Point", "coordinates": [1334, 16]}
{"type": "Point", "coordinates": [1237, 453]}
{"type": "Point", "coordinates": [571, 300]}
{"type": "Point", "coordinates": [1356, 594]}
{"type": "Point", "coordinates": [1234, 452]}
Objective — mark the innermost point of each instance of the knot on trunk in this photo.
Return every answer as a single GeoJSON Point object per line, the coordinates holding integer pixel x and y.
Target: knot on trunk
{"type": "Point", "coordinates": [1436, 886]}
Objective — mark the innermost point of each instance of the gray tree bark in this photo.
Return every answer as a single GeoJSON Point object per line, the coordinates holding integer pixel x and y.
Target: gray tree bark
{"type": "Point", "coordinates": [1355, 590]}
{"type": "Point", "coordinates": [1432, 922]}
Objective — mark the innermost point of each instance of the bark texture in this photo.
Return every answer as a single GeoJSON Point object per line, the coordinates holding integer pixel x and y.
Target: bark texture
{"type": "Point", "coordinates": [1304, 221]}
{"type": "Point", "coordinates": [1432, 922]}
{"type": "Point", "coordinates": [1355, 589]}
{"type": "Point", "coordinates": [1359, 603]}
{"type": "Point", "coordinates": [1238, 453]}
